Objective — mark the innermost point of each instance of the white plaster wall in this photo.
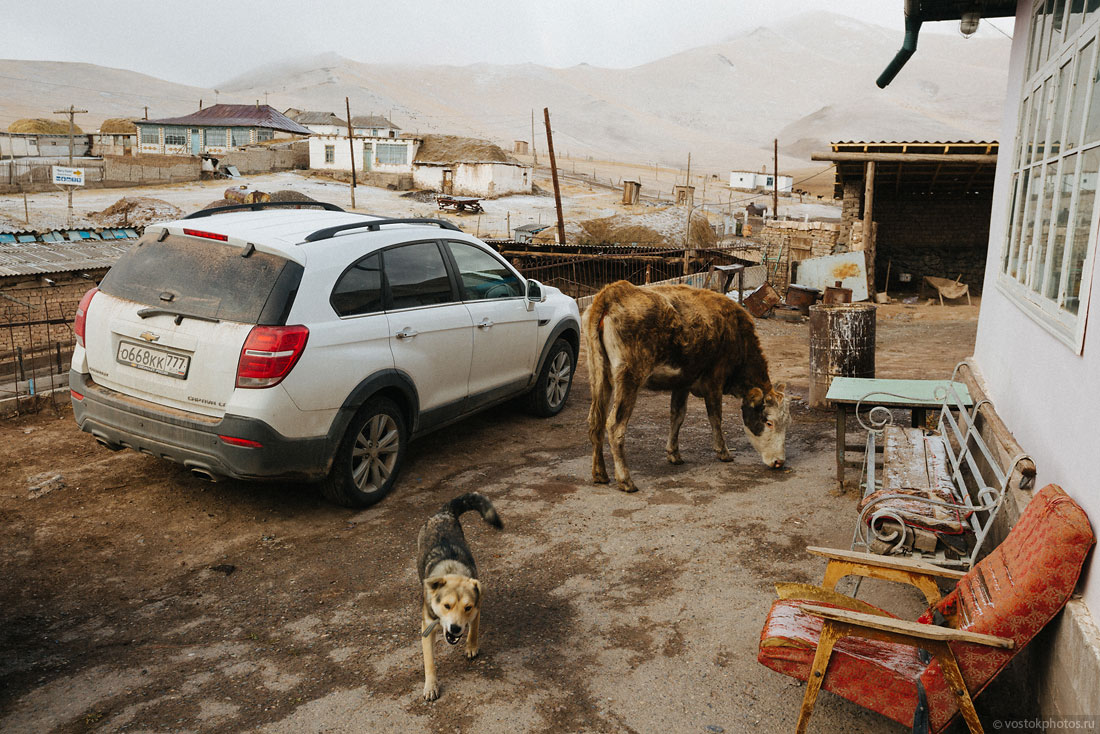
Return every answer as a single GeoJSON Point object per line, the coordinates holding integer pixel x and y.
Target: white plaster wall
{"type": "Point", "coordinates": [342, 160]}
{"type": "Point", "coordinates": [742, 180]}
{"type": "Point", "coordinates": [477, 179]}
{"type": "Point", "coordinates": [1048, 396]}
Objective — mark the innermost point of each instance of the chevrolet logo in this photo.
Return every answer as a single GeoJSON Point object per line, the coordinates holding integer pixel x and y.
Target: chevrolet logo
{"type": "Point", "coordinates": [149, 336]}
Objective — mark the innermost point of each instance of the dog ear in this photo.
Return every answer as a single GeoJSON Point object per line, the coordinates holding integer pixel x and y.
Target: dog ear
{"type": "Point", "coordinates": [435, 583]}
{"type": "Point", "coordinates": [477, 593]}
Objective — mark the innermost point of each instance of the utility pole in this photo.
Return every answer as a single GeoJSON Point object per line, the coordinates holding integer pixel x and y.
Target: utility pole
{"type": "Point", "coordinates": [146, 112]}
{"type": "Point", "coordinates": [351, 147]}
{"type": "Point", "coordinates": [775, 182]}
{"type": "Point", "coordinates": [71, 112]}
{"type": "Point", "coordinates": [554, 173]}
{"type": "Point", "coordinates": [687, 178]}
{"type": "Point", "coordinates": [534, 149]}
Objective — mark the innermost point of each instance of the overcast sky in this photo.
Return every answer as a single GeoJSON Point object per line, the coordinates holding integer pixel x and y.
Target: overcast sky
{"type": "Point", "coordinates": [206, 42]}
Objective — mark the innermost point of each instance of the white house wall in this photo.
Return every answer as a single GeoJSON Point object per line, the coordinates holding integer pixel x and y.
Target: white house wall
{"type": "Point", "coordinates": [477, 179]}
{"type": "Point", "coordinates": [342, 155]}
{"type": "Point", "coordinates": [750, 181]}
{"type": "Point", "coordinates": [1048, 396]}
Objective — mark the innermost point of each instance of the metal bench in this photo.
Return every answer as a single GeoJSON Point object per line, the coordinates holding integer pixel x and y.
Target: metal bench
{"type": "Point", "coordinates": [938, 492]}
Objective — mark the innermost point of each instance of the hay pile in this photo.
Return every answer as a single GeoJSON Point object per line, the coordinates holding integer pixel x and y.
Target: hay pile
{"type": "Point", "coordinates": [451, 149]}
{"type": "Point", "coordinates": [117, 126]}
{"type": "Point", "coordinates": [619, 231]}
{"type": "Point", "coordinates": [136, 211]}
{"type": "Point", "coordinates": [43, 127]}
{"type": "Point", "coordinates": [701, 233]}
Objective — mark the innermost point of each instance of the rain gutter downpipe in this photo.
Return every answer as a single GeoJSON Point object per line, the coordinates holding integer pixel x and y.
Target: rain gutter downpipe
{"type": "Point", "coordinates": [908, 47]}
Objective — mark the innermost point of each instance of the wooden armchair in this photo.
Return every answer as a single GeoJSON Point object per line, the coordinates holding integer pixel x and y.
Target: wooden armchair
{"type": "Point", "coordinates": [960, 643]}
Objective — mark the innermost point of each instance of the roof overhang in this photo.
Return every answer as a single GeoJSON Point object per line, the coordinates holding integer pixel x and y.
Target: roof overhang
{"type": "Point", "coordinates": [919, 169]}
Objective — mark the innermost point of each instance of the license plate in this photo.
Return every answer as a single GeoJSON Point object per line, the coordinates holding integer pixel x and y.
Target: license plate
{"type": "Point", "coordinates": [160, 361]}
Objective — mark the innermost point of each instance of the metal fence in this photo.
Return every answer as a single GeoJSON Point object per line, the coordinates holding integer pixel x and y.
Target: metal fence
{"type": "Point", "coordinates": [36, 347]}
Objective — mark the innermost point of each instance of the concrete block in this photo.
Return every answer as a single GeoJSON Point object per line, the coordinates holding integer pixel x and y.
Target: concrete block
{"type": "Point", "coordinates": [1068, 664]}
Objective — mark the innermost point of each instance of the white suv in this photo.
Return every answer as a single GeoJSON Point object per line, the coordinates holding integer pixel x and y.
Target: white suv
{"type": "Point", "coordinates": [258, 342]}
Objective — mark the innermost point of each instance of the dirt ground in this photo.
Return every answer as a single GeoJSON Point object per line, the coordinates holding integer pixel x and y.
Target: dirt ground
{"type": "Point", "coordinates": [137, 598]}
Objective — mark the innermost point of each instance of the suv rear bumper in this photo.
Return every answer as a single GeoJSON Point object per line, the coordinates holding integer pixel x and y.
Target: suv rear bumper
{"type": "Point", "coordinates": [121, 421]}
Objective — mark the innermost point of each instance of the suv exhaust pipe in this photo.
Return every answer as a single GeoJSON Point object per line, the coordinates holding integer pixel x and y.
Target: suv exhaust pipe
{"type": "Point", "coordinates": [205, 474]}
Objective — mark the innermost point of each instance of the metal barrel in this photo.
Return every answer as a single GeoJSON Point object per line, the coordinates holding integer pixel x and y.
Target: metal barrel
{"type": "Point", "coordinates": [842, 344]}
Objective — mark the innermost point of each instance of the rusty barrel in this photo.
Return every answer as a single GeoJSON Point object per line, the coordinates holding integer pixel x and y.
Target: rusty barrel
{"type": "Point", "coordinates": [842, 344]}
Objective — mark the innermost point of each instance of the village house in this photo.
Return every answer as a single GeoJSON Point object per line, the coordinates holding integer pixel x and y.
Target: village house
{"type": "Point", "coordinates": [749, 181]}
{"type": "Point", "coordinates": [332, 152]}
{"type": "Point", "coordinates": [468, 167]}
{"type": "Point", "coordinates": [320, 123]}
{"type": "Point", "coordinates": [374, 126]}
{"type": "Point", "coordinates": [30, 138]}
{"type": "Point", "coordinates": [1032, 355]}
{"type": "Point", "coordinates": [215, 130]}
{"type": "Point", "coordinates": [116, 136]}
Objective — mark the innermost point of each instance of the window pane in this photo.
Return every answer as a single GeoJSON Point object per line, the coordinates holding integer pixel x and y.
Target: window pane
{"type": "Point", "coordinates": [150, 135]}
{"type": "Point", "coordinates": [1018, 198]}
{"type": "Point", "coordinates": [1019, 268]}
{"type": "Point", "coordinates": [1078, 241]}
{"type": "Point", "coordinates": [175, 136]}
{"type": "Point", "coordinates": [359, 290]}
{"type": "Point", "coordinates": [1057, 34]}
{"type": "Point", "coordinates": [330, 153]}
{"type": "Point", "coordinates": [416, 275]}
{"type": "Point", "coordinates": [1040, 119]}
{"type": "Point", "coordinates": [1058, 112]}
{"type": "Point", "coordinates": [392, 154]}
{"type": "Point", "coordinates": [483, 276]}
{"type": "Point", "coordinates": [215, 136]}
{"type": "Point", "coordinates": [1076, 9]}
{"type": "Point", "coordinates": [241, 136]}
{"type": "Point", "coordinates": [1039, 258]}
{"type": "Point", "coordinates": [1050, 283]}
{"type": "Point", "coordinates": [1092, 122]}
{"type": "Point", "coordinates": [1079, 92]}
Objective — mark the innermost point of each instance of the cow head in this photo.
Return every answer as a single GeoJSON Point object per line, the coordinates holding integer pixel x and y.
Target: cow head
{"type": "Point", "coordinates": [766, 419]}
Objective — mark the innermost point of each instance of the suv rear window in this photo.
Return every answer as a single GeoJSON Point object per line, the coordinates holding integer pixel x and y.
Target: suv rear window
{"type": "Point", "coordinates": [205, 278]}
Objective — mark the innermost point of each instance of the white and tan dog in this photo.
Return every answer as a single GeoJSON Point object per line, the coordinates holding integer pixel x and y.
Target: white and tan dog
{"type": "Point", "coordinates": [448, 575]}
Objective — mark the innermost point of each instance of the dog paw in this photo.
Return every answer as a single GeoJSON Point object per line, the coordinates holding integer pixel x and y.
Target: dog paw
{"type": "Point", "coordinates": [471, 654]}
{"type": "Point", "coordinates": [431, 690]}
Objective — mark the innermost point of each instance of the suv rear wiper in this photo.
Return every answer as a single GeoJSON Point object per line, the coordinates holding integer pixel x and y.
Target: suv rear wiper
{"type": "Point", "coordinates": [180, 315]}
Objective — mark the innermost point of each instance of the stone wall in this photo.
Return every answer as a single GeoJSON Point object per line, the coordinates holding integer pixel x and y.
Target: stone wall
{"type": "Point", "coordinates": [124, 170]}
{"type": "Point", "coordinates": [263, 160]}
{"type": "Point", "coordinates": [791, 242]}
{"type": "Point", "coordinates": [36, 321]}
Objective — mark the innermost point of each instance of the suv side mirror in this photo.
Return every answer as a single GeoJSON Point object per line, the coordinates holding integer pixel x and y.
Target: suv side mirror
{"type": "Point", "coordinates": [534, 294]}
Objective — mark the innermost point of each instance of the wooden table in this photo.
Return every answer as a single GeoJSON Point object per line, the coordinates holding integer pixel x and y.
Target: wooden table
{"type": "Point", "coordinates": [919, 396]}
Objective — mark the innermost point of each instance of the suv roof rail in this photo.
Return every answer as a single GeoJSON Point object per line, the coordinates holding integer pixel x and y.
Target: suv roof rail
{"type": "Point", "coordinates": [257, 206]}
{"type": "Point", "coordinates": [375, 224]}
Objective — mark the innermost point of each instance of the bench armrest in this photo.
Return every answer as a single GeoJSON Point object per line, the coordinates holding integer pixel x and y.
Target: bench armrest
{"type": "Point", "coordinates": [872, 559]}
{"type": "Point", "coordinates": [907, 628]}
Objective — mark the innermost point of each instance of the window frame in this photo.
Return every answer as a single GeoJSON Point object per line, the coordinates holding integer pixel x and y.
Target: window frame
{"type": "Point", "coordinates": [448, 266]}
{"type": "Point", "coordinates": [384, 287]}
{"type": "Point", "coordinates": [452, 263]}
{"type": "Point", "coordinates": [1037, 161]}
{"type": "Point", "coordinates": [391, 148]}
{"type": "Point", "coordinates": [177, 131]}
{"type": "Point", "coordinates": [330, 153]}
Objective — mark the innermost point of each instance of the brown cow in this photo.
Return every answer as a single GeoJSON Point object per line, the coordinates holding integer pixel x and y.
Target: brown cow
{"type": "Point", "coordinates": [679, 339]}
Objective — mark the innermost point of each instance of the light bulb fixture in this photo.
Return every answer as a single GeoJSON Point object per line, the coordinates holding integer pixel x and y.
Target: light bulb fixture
{"type": "Point", "coordinates": [968, 25]}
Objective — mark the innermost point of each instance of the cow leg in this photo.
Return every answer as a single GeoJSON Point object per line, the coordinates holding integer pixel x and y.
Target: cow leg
{"type": "Point", "coordinates": [624, 393]}
{"type": "Point", "coordinates": [714, 413]}
{"type": "Point", "coordinates": [597, 420]}
{"type": "Point", "coordinates": [679, 409]}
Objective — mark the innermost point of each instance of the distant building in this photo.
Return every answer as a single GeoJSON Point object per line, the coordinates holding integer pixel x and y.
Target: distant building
{"type": "Point", "coordinates": [468, 167]}
{"type": "Point", "coordinates": [371, 153]}
{"type": "Point", "coordinates": [25, 145]}
{"type": "Point", "coordinates": [217, 129]}
{"type": "Point", "coordinates": [750, 181]}
{"type": "Point", "coordinates": [116, 136]}
{"type": "Point", "coordinates": [322, 123]}
{"type": "Point", "coordinates": [374, 126]}
{"type": "Point", "coordinates": [526, 232]}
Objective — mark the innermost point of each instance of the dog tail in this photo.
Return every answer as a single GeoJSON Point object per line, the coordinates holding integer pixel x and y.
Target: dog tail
{"type": "Point", "coordinates": [475, 501]}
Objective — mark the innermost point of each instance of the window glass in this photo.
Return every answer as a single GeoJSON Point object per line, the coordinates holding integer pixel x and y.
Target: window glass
{"type": "Point", "coordinates": [1077, 97]}
{"type": "Point", "coordinates": [1092, 121]}
{"type": "Point", "coordinates": [330, 153]}
{"type": "Point", "coordinates": [1057, 35]}
{"type": "Point", "coordinates": [150, 135]}
{"type": "Point", "coordinates": [483, 276]}
{"type": "Point", "coordinates": [264, 134]}
{"type": "Point", "coordinates": [359, 290]}
{"type": "Point", "coordinates": [1019, 195]}
{"type": "Point", "coordinates": [1078, 242]}
{"type": "Point", "coordinates": [215, 136]}
{"type": "Point", "coordinates": [1037, 130]}
{"type": "Point", "coordinates": [1076, 10]}
{"type": "Point", "coordinates": [393, 154]}
{"type": "Point", "coordinates": [416, 275]}
{"type": "Point", "coordinates": [175, 136]}
{"type": "Point", "coordinates": [241, 136]}
{"type": "Point", "coordinates": [1038, 257]}
{"type": "Point", "coordinates": [1019, 265]}
{"type": "Point", "coordinates": [1058, 112]}
{"type": "Point", "coordinates": [1060, 223]}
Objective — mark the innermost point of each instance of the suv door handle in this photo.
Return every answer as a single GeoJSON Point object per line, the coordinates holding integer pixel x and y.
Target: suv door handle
{"type": "Point", "coordinates": [485, 324]}
{"type": "Point", "coordinates": [407, 333]}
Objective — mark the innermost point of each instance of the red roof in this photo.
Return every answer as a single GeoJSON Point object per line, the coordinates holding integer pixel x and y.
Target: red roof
{"type": "Point", "coordinates": [235, 115]}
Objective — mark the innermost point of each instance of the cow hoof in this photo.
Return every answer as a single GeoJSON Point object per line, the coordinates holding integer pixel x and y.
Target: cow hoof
{"type": "Point", "coordinates": [675, 459]}
{"type": "Point", "coordinates": [726, 456]}
{"type": "Point", "coordinates": [627, 487]}
{"type": "Point", "coordinates": [600, 479]}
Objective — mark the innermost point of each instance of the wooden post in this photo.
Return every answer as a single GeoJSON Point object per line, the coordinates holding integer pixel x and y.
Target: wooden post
{"type": "Point", "coordinates": [775, 182]}
{"type": "Point", "coordinates": [351, 147]}
{"type": "Point", "coordinates": [26, 210]}
{"type": "Point", "coordinates": [868, 226]}
{"type": "Point", "coordinates": [71, 112]}
{"type": "Point", "coordinates": [554, 173]}
{"type": "Point", "coordinates": [534, 149]}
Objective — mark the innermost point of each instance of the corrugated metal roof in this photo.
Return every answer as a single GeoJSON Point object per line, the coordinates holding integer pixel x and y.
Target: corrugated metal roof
{"type": "Point", "coordinates": [314, 117]}
{"type": "Point", "coordinates": [68, 251]}
{"type": "Point", "coordinates": [372, 121]}
{"type": "Point", "coordinates": [235, 115]}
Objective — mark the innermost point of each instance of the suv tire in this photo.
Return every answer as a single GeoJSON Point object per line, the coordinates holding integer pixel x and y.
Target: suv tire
{"type": "Point", "coordinates": [369, 457]}
{"type": "Point", "coordinates": [551, 390]}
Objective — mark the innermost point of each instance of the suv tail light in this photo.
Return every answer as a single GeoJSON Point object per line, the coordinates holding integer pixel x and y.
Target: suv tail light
{"type": "Point", "coordinates": [269, 354]}
{"type": "Point", "coordinates": [82, 315]}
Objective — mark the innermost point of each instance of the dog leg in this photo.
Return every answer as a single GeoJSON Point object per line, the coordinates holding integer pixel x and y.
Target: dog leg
{"type": "Point", "coordinates": [471, 637]}
{"type": "Point", "coordinates": [431, 686]}
{"type": "Point", "coordinates": [679, 409]}
{"type": "Point", "coordinates": [714, 413]}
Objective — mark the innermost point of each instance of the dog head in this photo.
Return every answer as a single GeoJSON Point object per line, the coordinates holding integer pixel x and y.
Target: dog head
{"type": "Point", "coordinates": [766, 418]}
{"type": "Point", "coordinates": [455, 600]}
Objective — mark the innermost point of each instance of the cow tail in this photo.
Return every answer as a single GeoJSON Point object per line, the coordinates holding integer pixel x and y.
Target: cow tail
{"type": "Point", "coordinates": [598, 367]}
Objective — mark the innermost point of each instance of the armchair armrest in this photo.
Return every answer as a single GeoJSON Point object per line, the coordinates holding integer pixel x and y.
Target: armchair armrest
{"type": "Point", "coordinates": [902, 570]}
{"type": "Point", "coordinates": [901, 627]}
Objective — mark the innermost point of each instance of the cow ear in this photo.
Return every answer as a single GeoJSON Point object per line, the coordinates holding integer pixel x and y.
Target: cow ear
{"type": "Point", "coordinates": [755, 397]}
{"type": "Point", "coordinates": [781, 389]}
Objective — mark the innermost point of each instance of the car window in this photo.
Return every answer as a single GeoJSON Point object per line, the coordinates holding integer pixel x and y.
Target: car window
{"type": "Point", "coordinates": [416, 275]}
{"type": "Point", "coordinates": [359, 289]}
{"type": "Point", "coordinates": [482, 275]}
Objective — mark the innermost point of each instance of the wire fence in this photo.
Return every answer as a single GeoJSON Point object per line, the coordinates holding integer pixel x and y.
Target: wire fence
{"type": "Point", "coordinates": [36, 347]}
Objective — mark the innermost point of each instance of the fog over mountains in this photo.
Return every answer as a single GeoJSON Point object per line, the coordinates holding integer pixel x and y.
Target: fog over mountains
{"type": "Point", "coordinates": [806, 81]}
